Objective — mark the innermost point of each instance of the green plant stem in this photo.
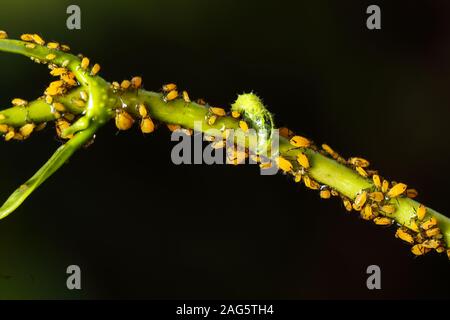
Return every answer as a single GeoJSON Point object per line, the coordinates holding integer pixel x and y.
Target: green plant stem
{"type": "Point", "coordinates": [323, 169]}
{"type": "Point", "coordinates": [54, 163]}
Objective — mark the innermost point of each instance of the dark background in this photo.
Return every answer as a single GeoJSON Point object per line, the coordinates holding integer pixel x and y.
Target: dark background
{"type": "Point", "coordinates": [141, 227]}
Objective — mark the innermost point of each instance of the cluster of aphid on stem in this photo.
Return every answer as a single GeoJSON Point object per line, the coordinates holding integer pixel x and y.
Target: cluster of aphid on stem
{"type": "Point", "coordinates": [76, 106]}
{"type": "Point", "coordinates": [373, 204]}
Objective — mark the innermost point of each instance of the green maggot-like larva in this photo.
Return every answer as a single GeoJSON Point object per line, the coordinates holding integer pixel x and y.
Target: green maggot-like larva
{"type": "Point", "coordinates": [254, 112]}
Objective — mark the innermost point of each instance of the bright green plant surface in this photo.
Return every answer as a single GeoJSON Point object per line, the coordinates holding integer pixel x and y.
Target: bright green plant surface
{"type": "Point", "coordinates": [104, 101]}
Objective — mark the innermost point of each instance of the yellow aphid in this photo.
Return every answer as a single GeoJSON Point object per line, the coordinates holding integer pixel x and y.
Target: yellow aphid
{"type": "Point", "coordinates": [396, 190]}
{"type": "Point", "coordinates": [218, 111]}
{"type": "Point", "coordinates": [419, 249]}
{"type": "Point", "coordinates": [367, 213]}
{"type": "Point", "coordinates": [173, 127]}
{"type": "Point", "coordinates": [3, 34]}
{"type": "Point", "coordinates": [30, 46]}
{"type": "Point", "coordinates": [147, 125]}
{"type": "Point", "coordinates": [85, 63]}
{"type": "Point", "coordinates": [40, 126]}
{"type": "Point", "coordinates": [347, 204]}
{"type": "Point", "coordinates": [26, 37]}
{"type": "Point", "coordinates": [38, 39]}
{"type": "Point", "coordinates": [65, 47]}
{"type": "Point", "coordinates": [376, 181]}
{"type": "Point", "coordinates": [79, 102]}
{"type": "Point", "coordinates": [48, 99]}
{"type": "Point", "coordinates": [421, 211]}
{"type": "Point", "coordinates": [18, 136]}
{"type": "Point", "coordinates": [69, 116]}
{"type": "Point", "coordinates": [212, 120]}
{"type": "Point", "coordinates": [171, 95]}
{"type": "Point", "coordinates": [360, 200]}
{"type": "Point", "coordinates": [2, 117]}
{"type": "Point", "coordinates": [124, 120]}
{"type": "Point", "coordinates": [27, 129]}
{"type": "Point", "coordinates": [125, 84]}
{"type": "Point", "coordinates": [53, 45]}
{"type": "Point", "coordinates": [65, 63]}
{"type": "Point", "coordinates": [388, 209]}
{"type": "Point", "coordinates": [186, 97]}
{"type": "Point", "coordinates": [404, 235]}
{"type": "Point", "coordinates": [4, 128]}
{"type": "Point", "coordinates": [432, 232]}
{"type": "Point", "coordinates": [383, 221]}
{"type": "Point", "coordinates": [359, 162]}
{"type": "Point", "coordinates": [284, 164]}
{"type": "Point", "coordinates": [330, 151]}
{"type": "Point", "coordinates": [243, 125]}
{"type": "Point", "coordinates": [376, 196]}
{"type": "Point", "coordinates": [10, 135]}
{"type": "Point", "coordinates": [431, 244]}
{"type": "Point", "coordinates": [411, 193]}
{"type": "Point", "coordinates": [57, 83]}
{"type": "Point", "coordinates": [50, 56]}
{"type": "Point", "coordinates": [265, 165]}
{"type": "Point", "coordinates": [115, 85]}
{"type": "Point", "coordinates": [95, 69]}
{"type": "Point", "coordinates": [429, 223]}
{"type": "Point", "coordinates": [440, 249]}
{"type": "Point", "coordinates": [302, 159]}
{"type": "Point", "coordinates": [413, 226]}
{"type": "Point", "coordinates": [299, 142]}
{"type": "Point", "coordinates": [285, 132]}
{"type": "Point", "coordinates": [19, 102]}
{"type": "Point", "coordinates": [219, 144]}
{"type": "Point", "coordinates": [58, 106]}
{"type": "Point", "coordinates": [68, 80]}
{"type": "Point", "coordinates": [58, 71]}
{"type": "Point", "coordinates": [62, 125]}
{"type": "Point", "coordinates": [142, 110]}
{"type": "Point", "coordinates": [325, 194]}
{"type": "Point", "coordinates": [297, 177]}
{"type": "Point", "coordinates": [69, 75]}
{"type": "Point", "coordinates": [235, 114]}
{"type": "Point", "coordinates": [334, 193]}
{"type": "Point", "coordinates": [136, 82]}
{"type": "Point", "coordinates": [361, 172]}
{"type": "Point", "coordinates": [385, 186]}
{"type": "Point", "coordinates": [169, 87]}
{"type": "Point", "coordinates": [310, 183]}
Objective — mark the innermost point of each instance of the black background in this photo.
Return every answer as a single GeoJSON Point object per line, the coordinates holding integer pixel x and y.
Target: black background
{"type": "Point", "coordinates": [142, 227]}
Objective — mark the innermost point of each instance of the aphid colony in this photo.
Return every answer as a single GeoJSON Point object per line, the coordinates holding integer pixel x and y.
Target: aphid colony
{"type": "Point", "coordinates": [56, 88]}
{"type": "Point", "coordinates": [66, 82]}
{"type": "Point", "coordinates": [373, 204]}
